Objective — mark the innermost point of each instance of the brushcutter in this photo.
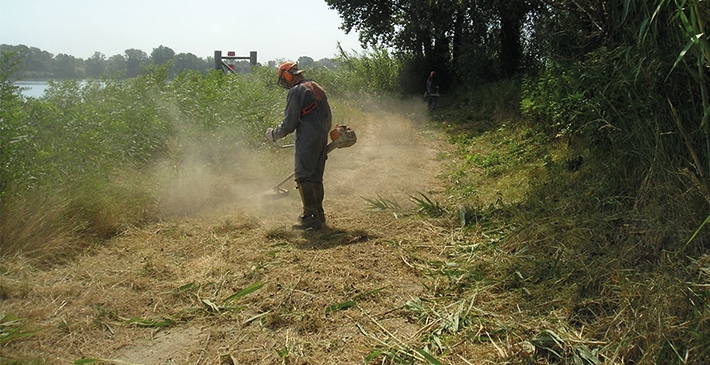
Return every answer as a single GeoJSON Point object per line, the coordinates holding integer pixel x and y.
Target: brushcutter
{"type": "Point", "coordinates": [341, 137]}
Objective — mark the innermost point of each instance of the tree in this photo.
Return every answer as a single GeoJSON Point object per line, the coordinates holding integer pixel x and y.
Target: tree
{"type": "Point", "coordinates": [38, 60]}
{"type": "Point", "coordinates": [116, 64]}
{"type": "Point", "coordinates": [162, 55]}
{"type": "Point", "coordinates": [305, 61]}
{"type": "Point", "coordinates": [66, 66]}
{"type": "Point", "coordinates": [421, 28]}
{"type": "Point", "coordinates": [35, 62]}
{"type": "Point", "coordinates": [327, 63]}
{"type": "Point", "coordinates": [567, 30]}
{"type": "Point", "coordinates": [134, 59]}
{"type": "Point", "coordinates": [511, 15]}
{"type": "Point", "coordinates": [442, 35]}
{"type": "Point", "coordinates": [96, 65]}
{"type": "Point", "coordinates": [390, 23]}
{"type": "Point", "coordinates": [189, 61]}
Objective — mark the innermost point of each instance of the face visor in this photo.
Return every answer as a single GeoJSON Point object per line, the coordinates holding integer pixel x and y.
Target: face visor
{"type": "Point", "coordinates": [283, 83]}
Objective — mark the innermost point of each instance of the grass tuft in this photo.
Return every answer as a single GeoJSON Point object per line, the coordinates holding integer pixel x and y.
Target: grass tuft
{"type": "Point", "coordinates": [428, 206]}
{"type": "Point", "coordinates": [382, 204]}
{"type": "Point", "coordinates": [13, 329]}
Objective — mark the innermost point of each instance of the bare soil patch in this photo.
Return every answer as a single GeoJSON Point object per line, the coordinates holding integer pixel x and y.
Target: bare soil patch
{"type": "Point", "coordinates": [158, 294]}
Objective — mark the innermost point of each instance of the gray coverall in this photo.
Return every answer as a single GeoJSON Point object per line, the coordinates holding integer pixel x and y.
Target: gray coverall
{"type": "Point", "coordinates": [308, 113]}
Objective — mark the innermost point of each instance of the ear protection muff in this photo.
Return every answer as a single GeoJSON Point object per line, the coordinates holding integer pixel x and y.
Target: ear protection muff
{"type": "Point", "coordinates": [286, 75]}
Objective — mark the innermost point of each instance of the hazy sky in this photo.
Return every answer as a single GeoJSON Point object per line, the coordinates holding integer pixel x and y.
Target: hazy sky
{"type": "Point", "coordinates": [276, 29]}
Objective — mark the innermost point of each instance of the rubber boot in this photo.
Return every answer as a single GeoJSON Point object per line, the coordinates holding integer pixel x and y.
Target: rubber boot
{"type": "Point", "coordinates": [320, 194]}
{"type": "Point", "coordinates": [309, 219]}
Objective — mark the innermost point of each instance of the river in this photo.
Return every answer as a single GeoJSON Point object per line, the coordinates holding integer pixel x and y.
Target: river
{"type": "Point", "coordinates": [33, 89]}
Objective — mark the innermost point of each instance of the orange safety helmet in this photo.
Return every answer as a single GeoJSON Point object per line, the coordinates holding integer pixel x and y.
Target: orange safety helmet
{"type": "Point", "coordinates": [286, 71]}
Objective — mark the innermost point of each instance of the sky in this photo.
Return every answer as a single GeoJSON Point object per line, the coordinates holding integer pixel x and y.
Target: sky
{"type": "Point", "coordinates": [276, 29]}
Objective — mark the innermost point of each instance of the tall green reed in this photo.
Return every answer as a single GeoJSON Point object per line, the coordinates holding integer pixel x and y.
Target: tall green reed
{"type": "Point", "coordinates": [80, 159]}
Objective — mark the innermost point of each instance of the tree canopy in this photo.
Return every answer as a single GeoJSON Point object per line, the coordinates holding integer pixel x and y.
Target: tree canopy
{"type": "Point", "coordinates": [443, 34]}
{"type": "Point", "coordinates": [476, 41]}
{"type": "Point", "coordinates": [42, 65]}
{"type": "Point", "coordinates": [39, 64]}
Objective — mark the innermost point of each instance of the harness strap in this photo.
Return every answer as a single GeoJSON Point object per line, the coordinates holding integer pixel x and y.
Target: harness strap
{"type": "Point", "coordinates": [309, 108]}
{"type": "Point", "coordinates": [317, 91]}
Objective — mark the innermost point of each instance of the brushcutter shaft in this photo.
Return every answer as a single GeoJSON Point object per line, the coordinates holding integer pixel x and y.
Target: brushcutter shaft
{"type": "Point", "coordinates": [341, 137]}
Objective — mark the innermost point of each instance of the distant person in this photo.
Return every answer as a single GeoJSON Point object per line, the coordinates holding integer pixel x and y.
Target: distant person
{"type": "Point", "coordinates": [308, 114]}
{"type": "Point", "coordinates": [432, 90]}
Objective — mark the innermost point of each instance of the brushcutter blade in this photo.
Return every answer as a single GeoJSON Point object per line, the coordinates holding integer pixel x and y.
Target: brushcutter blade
{"type": "Point", "coordinates": [275, 193]}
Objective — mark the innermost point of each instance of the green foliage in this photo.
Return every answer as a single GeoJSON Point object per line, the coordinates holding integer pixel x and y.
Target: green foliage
{"type": "Point", "coordinates": [340, 306]}
{"type": "Point", "coordinates": [461, 40]}
{"type": "Point", "coordinates": [381, 204]}
{"type": "Point", "coordinates": [80, 156]}
{"type": "Point", "coordinates": [373, 73]}
{"type": "Point", "coordinates": [614, 106]}
{"type": "Point", "coordinates": [35, 62]}
{"type": "Point", "coordinates": [42, 65]}
{"type": "Point", "coordinates": [639, 98]}
{"type": "Point", "coordinates": [428, 206]}
{"type": "Point", "coordinates": [692, 17]}
{"type": "Point", "coordinates": [10, 66]}
{"type": "Point", "coordinates": [13, 329]}
{"type": "Point", "coordinates": [11, 113]}
{"type": "Point", "coordinates": [556, 97]}
{"type": "Point", "coordinates": [246, 291]}
{"type": "Point", "coordinates": [207, 306]}
{"type": "Point", "coordinates": [606, 238]}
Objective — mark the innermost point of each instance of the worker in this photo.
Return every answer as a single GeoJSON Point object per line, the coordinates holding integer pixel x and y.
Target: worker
{"type": "Point", "coordinates": [432, 90]}
{"type": "Point", "coordinates": [308, 114]}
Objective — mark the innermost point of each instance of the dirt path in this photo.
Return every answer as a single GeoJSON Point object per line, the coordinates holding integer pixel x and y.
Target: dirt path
{"type": "Point", "coordinates": [325, 297]}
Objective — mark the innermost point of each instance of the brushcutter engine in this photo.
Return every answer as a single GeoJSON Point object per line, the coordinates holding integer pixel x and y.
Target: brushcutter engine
{"type": "Point", "coordinates": [341, 137]}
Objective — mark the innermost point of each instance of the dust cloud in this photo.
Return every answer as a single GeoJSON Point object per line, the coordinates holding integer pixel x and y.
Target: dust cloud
{"type": "Point", "coordinates": [388, 161]}
{"type": "Point", "coordinates": [136, 276]}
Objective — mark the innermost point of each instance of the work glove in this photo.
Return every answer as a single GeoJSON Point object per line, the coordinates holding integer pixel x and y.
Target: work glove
{"type": "Point", "coordinates": [270, 135]}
